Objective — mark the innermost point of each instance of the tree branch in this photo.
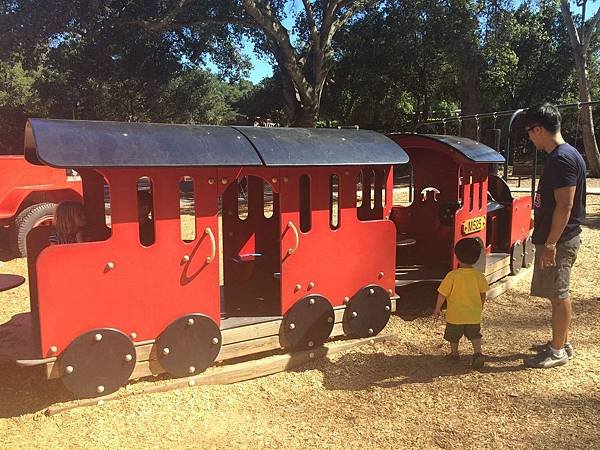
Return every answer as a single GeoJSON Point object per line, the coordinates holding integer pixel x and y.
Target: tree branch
{"type": "Point", "coordinates": [312, 26]}
{"type": "Point", "coordinates": [587, 38]}
{"type": "Point", "coordinates": [573, 34]}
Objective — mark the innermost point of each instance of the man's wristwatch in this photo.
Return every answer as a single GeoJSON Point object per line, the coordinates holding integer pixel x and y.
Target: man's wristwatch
{"type": "Point", "coordinates": [550, 245]}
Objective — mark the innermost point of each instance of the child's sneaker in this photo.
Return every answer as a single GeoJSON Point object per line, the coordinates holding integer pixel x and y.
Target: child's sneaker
{"type": "Point", "coordinates": [477, 361]}
{"type": "Point", "coordinates": [539, 348]}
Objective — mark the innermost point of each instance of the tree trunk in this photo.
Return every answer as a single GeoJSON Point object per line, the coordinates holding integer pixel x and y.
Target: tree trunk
{"type": "Point", "coordinates": [469, 97]}
{"type": "Point", "coordinates": [587, 121]}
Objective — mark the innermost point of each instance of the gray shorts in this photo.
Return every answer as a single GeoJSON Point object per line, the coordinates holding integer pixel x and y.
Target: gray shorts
{"type": "Point", "coordinates": [454, 331]}
{"type": "Point", "coordinates": [553, 282]}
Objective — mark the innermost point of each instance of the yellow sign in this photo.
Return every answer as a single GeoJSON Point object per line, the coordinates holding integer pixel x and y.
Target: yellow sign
{"type": "Point", "coordinates": [473, 225]}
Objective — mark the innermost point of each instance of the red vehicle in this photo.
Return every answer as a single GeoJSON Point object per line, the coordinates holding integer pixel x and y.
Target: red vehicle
{"type": "Point", "coordinates": [28, 197]}
{"type": "Point", "coordinates": [308, 238]}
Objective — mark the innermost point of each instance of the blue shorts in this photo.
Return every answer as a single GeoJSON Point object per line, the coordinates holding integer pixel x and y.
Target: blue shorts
{"type": "Point", "coordinates": [553, 282]}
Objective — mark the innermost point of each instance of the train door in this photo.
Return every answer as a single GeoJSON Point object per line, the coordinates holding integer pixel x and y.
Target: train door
{"type": "Point", "coordinates": [251, 265]}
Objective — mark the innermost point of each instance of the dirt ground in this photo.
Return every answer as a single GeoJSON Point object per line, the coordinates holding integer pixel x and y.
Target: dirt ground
{"type": "Point", "coordinates": [400, 394]}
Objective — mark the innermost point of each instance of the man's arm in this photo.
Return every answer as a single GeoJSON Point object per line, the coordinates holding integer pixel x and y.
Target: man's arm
{"type": "Point", "coordinates": [564, 197]}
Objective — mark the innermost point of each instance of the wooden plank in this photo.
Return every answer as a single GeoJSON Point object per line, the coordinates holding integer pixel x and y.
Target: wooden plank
{"type": "Point", "coordinates": [502, 286]}
{"type": "Point", "coordinates": [496, 261]}
{"type": "Point", "coordinates": [233, 373]}
{"type": "Point", "coordinates": [497, 275]}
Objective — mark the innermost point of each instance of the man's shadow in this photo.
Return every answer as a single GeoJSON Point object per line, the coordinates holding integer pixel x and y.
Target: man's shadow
{"type": "Point", "coordinates": [360, 371]}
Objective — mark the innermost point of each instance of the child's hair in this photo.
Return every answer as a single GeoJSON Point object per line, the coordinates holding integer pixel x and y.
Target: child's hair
{"type": "Point", "coordinates": [468, 250]}
{"type": "Point", "coordinates": [545, 115]}
{"type": "Point", "coordinates": [64, 218]}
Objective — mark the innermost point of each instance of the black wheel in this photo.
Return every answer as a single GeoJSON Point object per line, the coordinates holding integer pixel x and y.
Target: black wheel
{"type": "Point", "coordinates": [367, 312]}
{"type": "Point", "coordinates": [528, 253]}
{"type": "Point", "coordinates": [308, 323]}
{"type": "Point", "coordinates": [516, 258]}
{"type": "Point", "coordinates": [189, 345]}
{"type": "Point", "coordinates": [32, 216]}
{"type": "Point", "coordinates": [97, 363]}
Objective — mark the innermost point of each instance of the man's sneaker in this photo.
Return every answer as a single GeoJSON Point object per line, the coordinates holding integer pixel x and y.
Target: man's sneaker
{"type": "Point", "coordinates": [477, 361]}
{"type": "Point", "coordinates": [546, 359]}
{"type": "Point", "coordinates": [538, 348]}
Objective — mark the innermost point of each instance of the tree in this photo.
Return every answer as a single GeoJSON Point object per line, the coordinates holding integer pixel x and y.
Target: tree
{"type": "Point", "coordinates": [580, 42]}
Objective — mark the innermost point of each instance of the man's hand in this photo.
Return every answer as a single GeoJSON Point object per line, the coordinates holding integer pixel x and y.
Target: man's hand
{"type": "Point", "coordinates": [547, 257]}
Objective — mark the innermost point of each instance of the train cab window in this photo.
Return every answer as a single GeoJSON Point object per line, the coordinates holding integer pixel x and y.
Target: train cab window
{"type": "Point", "coordinates": [267, 200]}
{"type": "Point", "coordinates": [334, 202]}
{"type": "Point", "coordinates": [372, 188]}
{"type": "Point", "coordinates": [471, 194]}
{"type": "Point", "coordinates": [403, 192]}
{"type": "Point", "coordinates": [359, 189]}
{"type": "Point", "coordinates": [242, 205]}
{"type": "Point", "coordinates": [480, 195]}
{"type": "Point", "coordinates": [383, 187]}
{"type": "Point", "coordinates": [187, 209]}
{"type": "Point", "coordinates": [305, 212]}
{"type": "Point", "coordinates": [145, 204]}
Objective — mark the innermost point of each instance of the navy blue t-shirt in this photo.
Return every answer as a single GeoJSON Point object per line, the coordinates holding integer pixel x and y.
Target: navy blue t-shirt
{"type": "Point", "coordinates": [564, 167]}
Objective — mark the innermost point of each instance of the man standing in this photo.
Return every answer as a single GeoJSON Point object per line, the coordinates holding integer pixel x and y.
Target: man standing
{"type": "Point", "coordinates": [559, 211]}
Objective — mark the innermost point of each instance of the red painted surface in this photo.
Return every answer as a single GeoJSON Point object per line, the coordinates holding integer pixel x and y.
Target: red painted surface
{"type": "Point", "coordinates": [148, 287]}
{"type": "Point", "coordinates": [520, 219]}
{"type": "Point", "coordinates": [23, 184]}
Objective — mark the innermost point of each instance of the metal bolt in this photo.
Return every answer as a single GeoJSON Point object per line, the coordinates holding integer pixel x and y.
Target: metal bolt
{"type": "Point", "coordinates": [311, 344]}
{"type": "Point", "coordinates": [387, 308]}
{"type": "Point", "coordinates": [110, 265]}
{"type": "Point", "coordinates": [100, 389]}
{"type": "Point", "coordinates": [354, 314]}
{"type": "Point", "coordinates": [190, 322]}
{"type": "Point", "coordinates": [53, 349]}
{"type": "Point", "coordinates": [166, 351]}
{"type": "Point", "coordinates": [191, 383]}
{"type": "Point", "coordinates": [274, 179]}
{"type": "Point", "coordinates": [370, 331]}
{"type": "Point", "coordinates": [133, 335]}
{"type": "Point", "coordinates": [346, 299]}
{"type": "Point", "coordinates": [297, 287]}
{"type": "Point", "coordinates": [329, 319]}
{"type": "Point", "coordinates": [311, 355]}
{"type": "Point", "coordinates": [69, 369]}
{"type": "Point", "coordinates": [128, 357]}
{"type": "Point", "coordinates": [215, 340]}
{"type": "Point", "coordinates": [381, 274]}
{"type": "Point", "coordinates": [371, 291]}
{"type": "Point", "coordinates": [292, 326]}
{"type": "Point", "coordinates": [312, 301]}
{"type": "Point", "coordinates": [211, 181]}
{"type": "Point", "coordinates": [224, 180]}
{"type": "Point", "coordinates": [185, 258]}
{"type": "Point", "coordinates": [192, 369]}
{"type": "Point", "coordinates": [98, 337]}
{"type": "Point", "coordinates": [311, 285]}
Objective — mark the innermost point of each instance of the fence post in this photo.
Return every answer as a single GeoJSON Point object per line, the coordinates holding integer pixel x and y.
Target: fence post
{"type": "Point", "coordinates": [507, 156]}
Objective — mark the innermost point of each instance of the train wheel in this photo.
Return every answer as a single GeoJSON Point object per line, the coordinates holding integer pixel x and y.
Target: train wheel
{"type": "Point", "coordinates": [97, 363]}
{"type": "Point", "coordinates": [516, 258]}
{"type": "Point", "coordinates": [528, 253]}
{"type": "Point", "coordinates": [308, 323]}
{"type": "Point", "coordinates": [368, 312]}
{"type": "Point", "coordinates": [30, 217]}
{"type": "Point", "coordinates": [189, 345]}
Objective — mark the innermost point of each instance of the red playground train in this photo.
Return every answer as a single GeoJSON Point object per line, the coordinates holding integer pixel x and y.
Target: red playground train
{"type": "Point", "coordinates": [258, 238]}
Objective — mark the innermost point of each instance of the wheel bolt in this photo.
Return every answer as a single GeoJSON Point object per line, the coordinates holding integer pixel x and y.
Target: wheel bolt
{"type": "Point", "coordinates": [215, 340]}
{"type": "Point", "coordinates": [69, 369]}
{"type": "Point", "coordinates": [128, 358]}
{"type": "Point", "coordinates": [98, 337]}
{"type": "Point", "coordinates": [292, 326]}
{"type": "Point", "coordinates": [166, 351]}
{"type": "Point", "coordinates": [100, 389]}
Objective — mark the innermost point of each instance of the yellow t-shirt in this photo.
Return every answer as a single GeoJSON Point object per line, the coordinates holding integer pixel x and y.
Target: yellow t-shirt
{"type": "Point", "coordinates": [462, 288]}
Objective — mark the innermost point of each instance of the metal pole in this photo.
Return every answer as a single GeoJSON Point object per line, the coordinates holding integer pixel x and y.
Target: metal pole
{"type": "Point", "coordinates": [507, 156]}
{"type": "Point", "coordinates": [535, 161]}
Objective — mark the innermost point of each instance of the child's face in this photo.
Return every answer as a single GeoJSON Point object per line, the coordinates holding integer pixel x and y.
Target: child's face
{"type": "Point", "coordinates": [80, 219]}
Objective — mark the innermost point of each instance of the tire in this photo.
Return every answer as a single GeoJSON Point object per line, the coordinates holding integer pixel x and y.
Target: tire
{"type": "Point", "coordinates": [30, 217]}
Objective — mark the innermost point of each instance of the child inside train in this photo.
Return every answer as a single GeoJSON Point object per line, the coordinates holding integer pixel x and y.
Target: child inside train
{"type": "Point", "coordinates": [69, 224]}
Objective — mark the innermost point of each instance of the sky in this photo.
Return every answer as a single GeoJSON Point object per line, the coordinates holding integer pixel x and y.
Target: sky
{"type": "Point", "coordinates": [262, 68]}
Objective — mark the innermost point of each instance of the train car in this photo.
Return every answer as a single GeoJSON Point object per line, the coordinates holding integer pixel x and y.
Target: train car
{"type": "Point", "coordinates": [286, 242]}
{"type": "Point", "coordinates": [455, 195]}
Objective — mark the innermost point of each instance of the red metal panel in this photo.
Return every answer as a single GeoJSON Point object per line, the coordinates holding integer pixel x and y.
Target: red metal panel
{"type": "Point", "coordinates": [20, 178]}
{"type": "Point", "coordinates": [520, 219]}
{"type": "Point", "coordinates": [338, 262]}
{"type": "Point", "coordinates": [148, 287]}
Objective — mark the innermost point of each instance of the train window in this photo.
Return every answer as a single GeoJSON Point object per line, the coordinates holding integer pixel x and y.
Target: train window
{"type": "Point", "coordinates": [145, 205]}
{"type": "Point", "coordinates": [480, 194]}
{"type": "Point", "coordinates": [359, 189]}
{"type": "Point", "coordinates": [267, 200]}
{"type": "Point", "coordinates": [403, 192]}
{"type": "Point", "coordinates": [334, 202]}
{"type": "Point", "coordinates": [471, 193]}
{"type": "Point", "coordinates": [305, 213]}
{"type": "Point", "coordinates": [383, 185]}
{"type": "Point", "coordinates": [243, 198]}
{"type": "Point", "coordinates": [372, 189]}
{"type": "Point", "coordinates": [187, 209]}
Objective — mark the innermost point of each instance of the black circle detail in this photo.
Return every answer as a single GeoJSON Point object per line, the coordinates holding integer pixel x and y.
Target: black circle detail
{"type": "Point", "coordinates": [97, 363]}
{"type": "Point", "coordinates": [308, 323]}
{"type": "Point", "coordinates": [528, 253]}
{"type": "Point", "coordinates": [190, 342]}
{"type": "Point", "coordinates": [367, 312]}
{"type": "Point", "coordinates": [516, 258]}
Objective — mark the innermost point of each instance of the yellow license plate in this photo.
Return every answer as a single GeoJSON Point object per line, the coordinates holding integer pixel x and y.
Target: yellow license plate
{"type": "Point", "coordinates": [473, 225]}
